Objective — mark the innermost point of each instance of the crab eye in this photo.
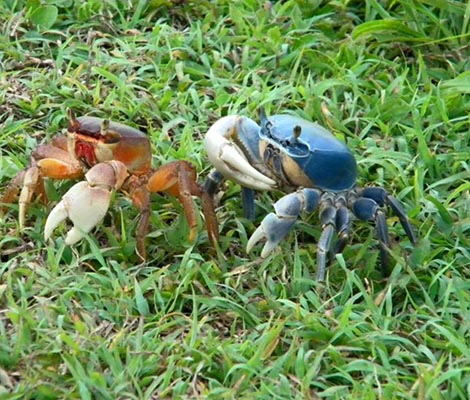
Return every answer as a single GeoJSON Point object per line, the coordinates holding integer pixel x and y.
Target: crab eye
{"type": "Point", "coordinates": [108, 135]}
{"type": "Point", "coordinates": [111, 137]}
{"type": "Point", "coordinates": [266, 130]}
{"type": "Point", "coordinates": [297, 148]}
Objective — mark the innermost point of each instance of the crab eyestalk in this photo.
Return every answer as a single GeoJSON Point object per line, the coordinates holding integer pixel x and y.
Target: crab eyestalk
{"type": "Point", "coordinates": [232, 146]}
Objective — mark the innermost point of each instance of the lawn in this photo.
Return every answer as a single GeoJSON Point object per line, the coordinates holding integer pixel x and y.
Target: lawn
{"type": "Point", "coordinates": [92, 321]}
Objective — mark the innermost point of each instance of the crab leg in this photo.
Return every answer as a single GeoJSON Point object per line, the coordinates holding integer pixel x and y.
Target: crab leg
{"type": "Point", "coordinates": [178, 178]}
{"type": "Point", "coordinates": [368, 209]}
{"type": "Point", "coordinates": [141, 199]}
{"type": "Point", "coordinates": [343, 225]}
{"type": "Point", "coordinates": [328, 222]}
{"type": "Point", "coordinates": [381, 197]}
{"type": "Point", "coordinates": [213, 181]}
{"type": "Point", "coordinates": [30, 183]}
{"type": "Point", "coordinates": [51, 161]}
{"type": "Point", "coordinates": [25, 184]}
{"type": "Point", "coordinates": [248, 201]}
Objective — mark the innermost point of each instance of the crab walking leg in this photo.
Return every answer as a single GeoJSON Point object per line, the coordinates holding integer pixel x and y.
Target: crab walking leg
{"type": "Point", "coordinates": [367, 209]}
{"type": "Point", "coordinates": [212, 183]}
{"type": "Point", "coordinates": [343, 226]}
{"type": "Point", "coordinates": [275, 226]}
{"type": "Point", "coordinates": [208, 209]}
{"type": "Point", "coordinates": [87, 202]}
{"type": "Point", "coordinates": [50, 161]}
{"type": "Point", "coordinates": [141, 200]}
{"type": "Point", "coordinates": [174, 178]}
{"type": "Point", "coordinates": [12, 190]}
{"type": "Point", "coordinates": [31, 183]}
{"type": "Point", "coordinates": [328, 221]}
{"type": "Point", "coordinates": [23, 186]}
{"type": "Point", "coordinates": [248, 201]}
{"type": "Point", "coordinates": [179, 179]}
{"type": "Point", "coordinates": [382, 198]}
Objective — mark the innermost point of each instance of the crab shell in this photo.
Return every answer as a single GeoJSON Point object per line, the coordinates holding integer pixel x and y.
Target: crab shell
{"type": "Point", "coordinates": [285, 153]}
{"type": "Point", "coordinates": [300, 153]}
{"type": "Point", "coordinates": [93, 140]}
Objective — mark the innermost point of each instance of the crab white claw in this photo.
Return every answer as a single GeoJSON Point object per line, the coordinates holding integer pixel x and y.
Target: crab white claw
{"type": "Point", "coordinates": [275, 226]}
{"type": "Point", "coordinates": [225, 155]}
{"type": "Point", "coordinates": [87, 202]}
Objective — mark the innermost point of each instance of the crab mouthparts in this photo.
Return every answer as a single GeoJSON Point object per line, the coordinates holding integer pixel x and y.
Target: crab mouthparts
{"type": "Point", "coordinates": [85, 152]}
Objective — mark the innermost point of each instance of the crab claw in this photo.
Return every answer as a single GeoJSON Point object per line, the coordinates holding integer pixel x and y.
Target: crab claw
{"type": "Point", "coordinates": [84, 205]}
{"type": "Point", "coordinates": [231, 160]}
{"type": "Point", "coordinates": [273, 229]}
{"type": "Point", "coordinates": [87, 202]}
{"type": "Point", "coordinates": [275, 226]}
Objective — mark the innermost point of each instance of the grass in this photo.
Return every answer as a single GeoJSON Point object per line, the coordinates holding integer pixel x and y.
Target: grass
{"type": "Point", "coordinates": [93, 322]}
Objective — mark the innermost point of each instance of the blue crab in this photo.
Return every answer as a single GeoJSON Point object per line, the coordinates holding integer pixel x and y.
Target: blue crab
{"type": "Point", "coordinates": [314, 168]}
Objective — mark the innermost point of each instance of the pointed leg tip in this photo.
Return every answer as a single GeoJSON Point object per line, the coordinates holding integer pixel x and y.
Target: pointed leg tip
{"type": "Point", "coordinates": [21, 215]}
{"type": "Point", "coordinates": [192, 235]}
{"type": "Point", "coordinates": [321, 266]}
{"type": "Point", "coordinates": [213, 239]}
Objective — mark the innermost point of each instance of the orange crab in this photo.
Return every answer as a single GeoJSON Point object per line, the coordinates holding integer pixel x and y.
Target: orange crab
{"type": "Point", "coordinates": [111, 156]}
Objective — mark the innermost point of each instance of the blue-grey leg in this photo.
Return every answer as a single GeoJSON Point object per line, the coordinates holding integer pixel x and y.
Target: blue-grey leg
{"type": "Point", "coordinates": [248, 200]}
{"type": "Point", "coordinates": [212, 182]}
{"type": "Point", "coordinates": [367, 209]}
{"type": "Point", "coordinates": [343, 227]}
{"type": "Point", "coordinates": [328, 223]}
{"type": "Point", "coordinates": [381, 196]}
{"type": "Point", "coordinates": [275, 226]}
